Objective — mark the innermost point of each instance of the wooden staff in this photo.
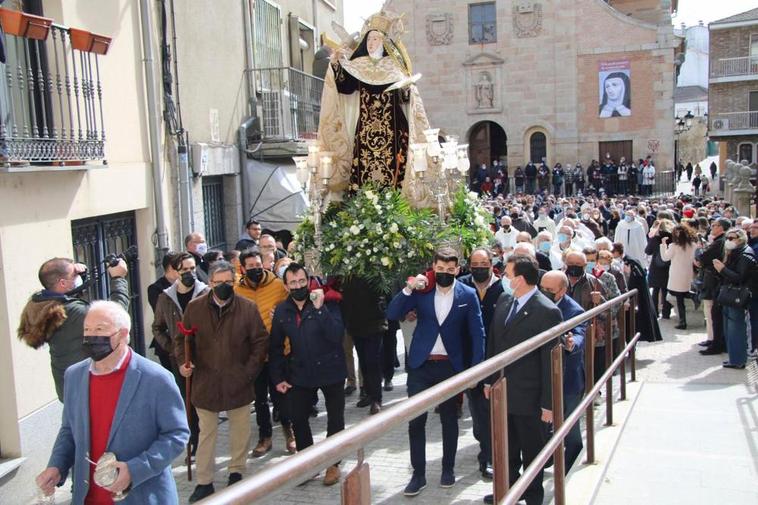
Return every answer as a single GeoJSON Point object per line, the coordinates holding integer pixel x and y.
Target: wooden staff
{"type": "Point", "coordinates": [188, 387]}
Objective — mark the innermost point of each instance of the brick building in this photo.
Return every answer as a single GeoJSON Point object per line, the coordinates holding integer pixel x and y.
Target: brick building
{"type": "Point", "coordinates": [519, 80]}
{"type": "Point", "coordinates": [733, 86]}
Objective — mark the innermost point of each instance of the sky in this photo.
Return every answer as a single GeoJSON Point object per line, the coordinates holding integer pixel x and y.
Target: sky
{"type": "Point", "coordinates": [690, 11]}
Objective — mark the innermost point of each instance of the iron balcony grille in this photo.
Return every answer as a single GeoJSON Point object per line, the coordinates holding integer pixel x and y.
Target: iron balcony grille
{"type": "Point", "coordinates": [51, 101]}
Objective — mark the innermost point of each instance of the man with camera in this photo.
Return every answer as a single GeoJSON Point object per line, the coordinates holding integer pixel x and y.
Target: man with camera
{"type": "Point", "coordinates": [55, 315]}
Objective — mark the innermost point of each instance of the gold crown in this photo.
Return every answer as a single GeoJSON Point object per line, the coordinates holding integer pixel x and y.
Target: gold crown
{"type": "Point", "coordinates": [390, 24]}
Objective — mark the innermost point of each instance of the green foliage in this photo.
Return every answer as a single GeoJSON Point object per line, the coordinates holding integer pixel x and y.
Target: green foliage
{"type": "Point", "coordinates": [468, 222]}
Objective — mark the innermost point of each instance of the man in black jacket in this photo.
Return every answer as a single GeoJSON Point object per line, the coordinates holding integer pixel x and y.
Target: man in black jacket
{"type": "Point", "coordinates": [518, 318]}
{"type": "Point", "coordinates": [488, 289]}
{"type": "Point", "coordinates": [530, 171]}
{"type": "Point", "coordinates": [713, 311]}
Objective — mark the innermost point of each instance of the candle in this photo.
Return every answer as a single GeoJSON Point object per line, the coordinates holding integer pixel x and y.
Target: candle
{"type": "Point", "coordinates": [325, 167]}
{"type": "Point", "coordinates": [433, 141]}
{"type": "Point", "coordinates": [313, 156]}
{"type": "Point", "coordinates": [463, 161]}
{"type": "Point", "coordinates": [419, 157]}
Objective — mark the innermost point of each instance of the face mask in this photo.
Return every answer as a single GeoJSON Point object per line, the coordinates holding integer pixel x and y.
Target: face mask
{"type": "Point", "coordinates": [562, 238]}
{"type": "Point", "coordinates": [585, 217]}
{"type": "Point", "coordinates": [628, 218]}
{"type": "Point", "coordinates": [574, 271]}
{"type": "Point", "coordinates": [444, 279]}
{"type": "Point", "coordinates": [589, 267]}
{"type": "Point", "coordinates": [550, 296]}
{"type": "Point", "coordinates": [254, 274]}
{"type": "Point", "coordinates": [730, 245]}
{"type": "Point", "coordinates": [507, 228]}
{"type": "Point", "coordinates": [280, 272]}
{"type": "Point", "coordinates": [480, 274]}
{"type": "Point", "coordinates": [78, 281]}
{"type": "Point", "coordinates": [545, 246]}
{"type": "Point", "coordinates": [223, 291]}
{"type": "Point", "coordinates": [299, 294]}
{"type": "Point", "coordinates": [97, 347]}
{"type": "Point", "coordinates": [187, 279]}
{"type": "Point", "coordinates": [506, 282]}
{"type": "Point", "coordinates": [201, 249]}
{"type": "Point", "coordinates": [542, 215]}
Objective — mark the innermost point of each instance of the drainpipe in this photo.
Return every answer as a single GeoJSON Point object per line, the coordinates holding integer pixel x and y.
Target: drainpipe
{"type": "Point", "coordinates": [154, 124]}
{"type": "Point", "coordinates": [251, 120]}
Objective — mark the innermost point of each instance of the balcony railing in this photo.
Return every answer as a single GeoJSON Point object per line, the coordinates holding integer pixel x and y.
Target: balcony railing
{"type": "Point", "coordinates": [730, 122]}
{"type": "Point", "coordinates": [51, 97]}
{"type": "Point", "coordinates": [290, 101]}
{"type": "Point", "coordinates": [735, 67]}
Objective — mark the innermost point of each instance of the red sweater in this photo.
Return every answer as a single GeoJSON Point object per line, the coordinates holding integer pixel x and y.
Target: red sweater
{"type": "Point", "coordinates": [104, 391]}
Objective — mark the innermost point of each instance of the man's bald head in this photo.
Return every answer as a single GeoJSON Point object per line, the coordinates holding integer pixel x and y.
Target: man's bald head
{"type": "Point", "coordinates": [523, 236]}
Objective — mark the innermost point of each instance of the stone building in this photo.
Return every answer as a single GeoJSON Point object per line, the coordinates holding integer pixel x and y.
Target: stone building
{"type": "Point", "coordinates": [521, 80]}
{"type": "Point", "coordinates": [733, 86]}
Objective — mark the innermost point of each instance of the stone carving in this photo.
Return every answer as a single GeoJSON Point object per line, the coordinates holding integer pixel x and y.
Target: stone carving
{"type": "Point", "coordinates": [527, 18]}
{"type": "Point", "coordinates": [484, 91]}
{"type": "Point", "coordinates": [483, 80]}
{"type": "Point", "coordinates": [439, 29]}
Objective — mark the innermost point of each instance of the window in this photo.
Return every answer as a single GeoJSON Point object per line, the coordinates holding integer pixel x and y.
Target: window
{"type": "Point", "coordinates": [537, 147]}
{"type": "Point", "coordinates": [268, 35]}
{"type": "Point", "coordinates": [213, 212]}
{"type": "Point", "coordinates": [482, 26]}
{"type": "Point", "coordinates": [746, 152]}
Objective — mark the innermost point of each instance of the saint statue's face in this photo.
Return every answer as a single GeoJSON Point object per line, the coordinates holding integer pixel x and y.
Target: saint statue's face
{"type": "Point", "coordinates": [375, 43]}
{"type": "Point", "coordinates": [614, 88]}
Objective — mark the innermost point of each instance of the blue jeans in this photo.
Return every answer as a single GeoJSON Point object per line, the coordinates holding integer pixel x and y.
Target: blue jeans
{"type": "Point", "coordinates": [419, 379]}
{"type": "Point", "coordinates": [735, 331]}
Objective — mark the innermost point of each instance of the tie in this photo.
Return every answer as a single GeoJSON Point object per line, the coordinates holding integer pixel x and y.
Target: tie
{"type": "Point", "coordinates": [514, 310]}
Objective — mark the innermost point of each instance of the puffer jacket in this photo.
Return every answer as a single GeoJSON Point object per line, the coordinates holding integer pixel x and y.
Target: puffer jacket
{"type": "Point", "coordinates": [267, 294]}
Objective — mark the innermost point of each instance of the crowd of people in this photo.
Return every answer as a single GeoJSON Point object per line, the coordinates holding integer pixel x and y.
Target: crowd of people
{"type": "Point", "coordinates": [252, 327]}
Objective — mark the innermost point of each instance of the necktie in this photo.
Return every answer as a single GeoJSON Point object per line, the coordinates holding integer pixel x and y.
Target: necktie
{"type": "Point", "coordinates": [514, 310]}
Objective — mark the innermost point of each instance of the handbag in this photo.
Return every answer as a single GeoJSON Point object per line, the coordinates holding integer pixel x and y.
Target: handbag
{"type": "Point", "coordinates": [737, 297]}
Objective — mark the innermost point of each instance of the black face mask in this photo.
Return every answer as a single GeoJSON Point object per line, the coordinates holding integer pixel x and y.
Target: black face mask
{"type": "Point", "coordinates": [574, 271]}
{"type": "Point", "coordinates": [223, 291]}
{"type": "Point", "coordinates": [254, 274]}
{"type": "Point", "coordinates": [550, 296]}
{"type": "Point", "coordinates": [299, 294]}
{"type": "Point", "coordinates": [188, 279]}
{"type": "Point", "coordinates": [480, 274]}
{"type": "Point", "coordinates": [444, 279]}
{"type": "Point", "coordinates": [97, 347]}
{"type": "Point", "coordinates": [507, 228]}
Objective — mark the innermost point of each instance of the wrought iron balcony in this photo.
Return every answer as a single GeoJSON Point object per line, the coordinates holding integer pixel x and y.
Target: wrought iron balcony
{"type": "Point", "coordinates": [734, 123]}
{"type": "Point", "coordinates": [290, 102]}
{"type": "Point", "coordinates": [51, 96]}
{"type": "Point", "coordinates": [732, 69]}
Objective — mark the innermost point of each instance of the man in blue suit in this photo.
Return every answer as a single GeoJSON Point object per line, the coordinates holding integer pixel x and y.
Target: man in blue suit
{"type": "Point", "coordinates": [555, 285]}
{"type": "Point", "coordinates": [449, 316]}
{"type": "Point", "coordinates": [121, 403]}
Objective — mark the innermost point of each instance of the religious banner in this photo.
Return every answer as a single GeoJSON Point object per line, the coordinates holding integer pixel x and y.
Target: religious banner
{"type": "Point", "coordinates": [615, 93]}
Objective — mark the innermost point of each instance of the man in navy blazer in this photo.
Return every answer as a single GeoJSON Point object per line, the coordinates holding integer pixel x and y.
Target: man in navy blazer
{"type": "Point", "coordinates": [555, 286]}
{"type": "Point", "coordinates": [449, 316]}
{"type": "Point", "coordinates": [121, 403]}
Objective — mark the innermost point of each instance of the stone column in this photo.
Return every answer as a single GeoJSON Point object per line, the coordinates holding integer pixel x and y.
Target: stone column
{"type": "Point", "coordinates": [743, 190]}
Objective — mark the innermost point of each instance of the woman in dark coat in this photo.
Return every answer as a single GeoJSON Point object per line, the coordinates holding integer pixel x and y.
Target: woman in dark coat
{"type": "Point", "coordinates": [658, 274]}
{"type": "Point", "coordinates": [646, 321]}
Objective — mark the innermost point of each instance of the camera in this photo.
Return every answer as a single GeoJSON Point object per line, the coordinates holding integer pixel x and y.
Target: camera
{"type": "Point", "coordinates": [130, 254]}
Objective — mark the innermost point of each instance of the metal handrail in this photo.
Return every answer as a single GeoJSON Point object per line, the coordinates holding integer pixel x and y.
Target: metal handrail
{"type": "Point", "coordinates": [303, 465]}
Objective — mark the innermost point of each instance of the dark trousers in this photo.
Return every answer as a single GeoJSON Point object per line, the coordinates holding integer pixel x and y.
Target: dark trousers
{"type": "Point", "coordinates": [659, 299]}
{"type": "Point", "coordinates": [389, 350]}
{"type": "Point", "coordinates": [717, 316]}
{"type": "Point", "coordinates": [264, 388]}
{"type": "Point", "coordinates": [753, 308]}
{"type": "Point", "coordinates": [622, 187]}
{"type": "Point", "coordinates": [531, 185]}
{"type": "Point", "coordinates": [681, 310]}
{"type": "Point", "coordinates": [480, 418]}
{"type": "Point", "coordinates": [369, 349]}
{"type": "Point", "coordinates": [194, 421]}
{"type": "Point", "coordinates": [427, 375]}
{"type": "Point", "coordinates": [525, 440]}
{"type": "Point", "coordinates": [573, 441]}
{"type": "Point", "coordinates": [299, 400]}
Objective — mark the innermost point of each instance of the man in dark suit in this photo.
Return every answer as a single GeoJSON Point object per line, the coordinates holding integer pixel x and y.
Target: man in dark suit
{"type": "Point", "coordinates": [488, 289]}
{"type": "Point", "coordinates": [518, 318]}
{"type": "Point", "coordinates": [554, 286]}
{"type": "Point", "coordinates": [448, 317]}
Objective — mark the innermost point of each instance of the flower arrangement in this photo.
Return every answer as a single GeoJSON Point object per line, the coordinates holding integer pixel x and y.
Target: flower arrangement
{"type": "Point", "coordinates": [469, 221]}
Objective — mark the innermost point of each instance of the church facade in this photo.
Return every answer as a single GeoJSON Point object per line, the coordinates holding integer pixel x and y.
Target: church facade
{"type": "Point", "coordinates": [567, 80]}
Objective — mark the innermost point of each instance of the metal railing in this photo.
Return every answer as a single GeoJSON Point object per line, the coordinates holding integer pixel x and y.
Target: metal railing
{"type": "Point", "coordinates": [291, 103]}
{"type": "Point", "coordinates": [735, 67]}
{"type": "Point", "coordinates": [303, 465]}
{"type": "Point", "coordinates": [729, 121]}
{"type": "Point", "coordinates": [51, 101]}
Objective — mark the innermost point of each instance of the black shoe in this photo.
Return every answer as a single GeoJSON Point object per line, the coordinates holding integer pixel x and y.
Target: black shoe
{"type": "Point", "coordinates": [704, 343]}
{"type": "Point", "coordinates": [681, 326]}
{"type": "Point", "coordinates": [363, 402]}
{"type": "Point", "coordinates": [489, 499]}
{"type": "Point", "coordinates": [447, 479]}
{"type": "Point", "coordinates": [376, 407]}
{"type": "Point", "coordinates": [362, 394]}
{"type": "Point", "coordinates": [388, 386]}
{"type": "Point", "coordinates": [234, 477]}
{"type": "Point", "coordinates": [201, 491]}
{"type": "Point", "coordinates": [415, 486]}
{"type": "Point", "coordinates": [350, 389]}
{"type": "Point", "coordinates": [486, 471]}
{"type": "Point", "coordinates": [710, 351]}
{"type": "Point", "coordinates": [737, 367]}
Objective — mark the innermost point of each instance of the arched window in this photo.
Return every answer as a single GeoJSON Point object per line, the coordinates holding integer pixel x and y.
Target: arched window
{"type": "Point", "coordinates": [745, 152]}
{"type": "Point", "coordinates": [537, 147]}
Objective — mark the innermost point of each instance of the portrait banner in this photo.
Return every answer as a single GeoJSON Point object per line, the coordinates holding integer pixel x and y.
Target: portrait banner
{"type": "Point", "coordinates": [615, 92]}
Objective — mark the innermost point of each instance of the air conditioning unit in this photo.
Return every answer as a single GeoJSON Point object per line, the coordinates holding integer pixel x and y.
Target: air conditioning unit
{"type": "Point", "coordinates": [720, 124]}
{"type": "Point", "coordinates": [276, 114]}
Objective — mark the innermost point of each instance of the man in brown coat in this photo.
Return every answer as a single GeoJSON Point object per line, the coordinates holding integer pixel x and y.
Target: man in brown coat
{"type": "Point", "coordinates": [229, 346]}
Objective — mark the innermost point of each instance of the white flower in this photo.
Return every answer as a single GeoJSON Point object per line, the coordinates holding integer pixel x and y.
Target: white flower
{"type": "Point", "coordinates": [396, 245]}
{"type": "Point", "coordinates": [385, 261]}
{"type": "Point", "coordinates": [411, 254]}
{"type": "Point", "coordinates": [376, 249]}
{"type": "Point", "coordinates": [355, 230]}
{"type": "Point", "coordinates": [378, 228]}
{"type": "Point", "coordinates": [479, 220]}
{"type": "Point", "coordinates": [369, 194]}
{"type": "Point", "coordinates": [393, 228]}
{"type": "Point", "coordinates": [349, 248]}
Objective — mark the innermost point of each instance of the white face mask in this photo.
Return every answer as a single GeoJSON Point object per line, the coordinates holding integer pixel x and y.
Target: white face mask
{"type": "Point", "coordinates": [201, 248]}
{"type": "Point", "coordinates": [78, 281]}
{"type": "Point", "coordinates": [730, 245]}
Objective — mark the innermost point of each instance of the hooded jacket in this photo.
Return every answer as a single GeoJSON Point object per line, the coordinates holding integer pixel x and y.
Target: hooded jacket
{"type": "Point", "coordinates": [58, 320]}
{"type": "Point", "coordinates": [168, 312]}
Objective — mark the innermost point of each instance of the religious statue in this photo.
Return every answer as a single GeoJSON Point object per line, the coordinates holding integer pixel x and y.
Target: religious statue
{"type": "Point", "coordinates": [484, 91]}
{"type": "Point", "coordinates": [371, 110]}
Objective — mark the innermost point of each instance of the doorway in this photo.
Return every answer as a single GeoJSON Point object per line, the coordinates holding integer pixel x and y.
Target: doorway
{"type": "Point", "coordinates": [486, 142]}
{"type": "Point", "coordinates": [617, 149]}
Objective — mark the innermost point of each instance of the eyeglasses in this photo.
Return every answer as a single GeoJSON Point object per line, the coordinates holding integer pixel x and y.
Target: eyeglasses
{"type": "Point", "coordinates": [732, 237]}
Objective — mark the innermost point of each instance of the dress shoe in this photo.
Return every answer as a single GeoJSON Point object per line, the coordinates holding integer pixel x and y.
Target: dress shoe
{"type": "Point", "coordinates": [486, 471]}
{"type": "Point", "coordinates": [388, 386]}
{"type": "Point", "coordinates": [234, 477]}
{"type": "Point", "coordinates": [489, 499]}
{"type": "Point", "coordinates": [710, 351]}
{"type": "Point", "coordinates": [737, 367]}
{"type": "Point", "coordinates": [264, 446]}
{"type": "Point", "coordinates": [350, 389]}
{"type": "Point", "coordinates": [681, 326]}
{"type": "Point", "coordinates": [363, 402]}
{"type": "Point", "coordinates": [704, 343]}
{"type": "Point", "coordinates": [447, 479]}
{"type": "Point", "coordinates": [332, 475]}
{"type": "Point", "coordinates": [201, 491]}
{"type": "Point", "coordinates": [415, 486]}
{"type": "Point", "coordinates": [290, 436]}
{"type": "Point", "coordinates": [376, 407]}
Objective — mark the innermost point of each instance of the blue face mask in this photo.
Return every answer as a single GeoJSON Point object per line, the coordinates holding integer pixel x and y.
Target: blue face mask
{"type": "Point", "coordinates": [589, 267]}
{"type": "Point", "coordinates": [506, 282]}
{"type": "Point", "coordinates": [545, 246]}
{"type": "Point", "coordinates": [562, 237]}
{"type": "Point", "coordinates": [628, 218]}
